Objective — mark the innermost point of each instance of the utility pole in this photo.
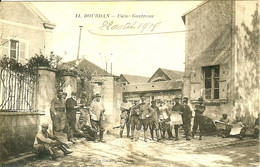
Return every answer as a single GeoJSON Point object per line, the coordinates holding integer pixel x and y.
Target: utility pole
{"type": "Point", "coordinates": [79, 41]}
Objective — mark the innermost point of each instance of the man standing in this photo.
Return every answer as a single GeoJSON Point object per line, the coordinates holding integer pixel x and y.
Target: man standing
{"type": "Point", "coordinates": [177, 110]}
{"type": "Point", "coordinates": [145, 112]}
{"type": "Point", "coordinates": [256, 128]}
{"type": "Point", "coordinates": [97, 110]}
{"type": "Point", "coordinates": [199, 109]}
{"type": "Point", "coordinates": [71, 110]}
{"type": "Point", "coordinates": [186, 118]}
{"type": "Point", "coordinates": [134, 120]}
{"type": "Point", "coordinates": [125, 117]}
{"type": "Point", "coordinates": [153, 124]}
{"type": "Point", "coordinates": [164, 121]}
{"type": "Point", "coordinates": [58, 116]}
{"type": "Point", "coordinates": [45, 142]}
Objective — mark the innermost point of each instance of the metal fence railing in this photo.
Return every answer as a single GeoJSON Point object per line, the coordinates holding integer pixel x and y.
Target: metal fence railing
{"type": "Point", "coordinates": [16, 91]}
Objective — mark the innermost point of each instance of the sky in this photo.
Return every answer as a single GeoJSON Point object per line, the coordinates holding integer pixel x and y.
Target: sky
{"type": "Point", "coordinates": [133, 36]}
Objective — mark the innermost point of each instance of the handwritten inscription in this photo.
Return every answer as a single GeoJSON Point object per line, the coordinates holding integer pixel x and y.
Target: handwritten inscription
{"type": "Point", "coordinates": [148, 26]}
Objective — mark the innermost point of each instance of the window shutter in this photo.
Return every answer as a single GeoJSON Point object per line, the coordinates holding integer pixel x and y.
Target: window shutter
{"type": "Point", "coordinates": [224, 72]}
{"type": "Point", "coordinates": [195, 91]}
{"type": "Point", "coordinates": [22, 57]}
{"type": "Point", "coordinates": [223, 90]}
{"type": "Point", "coordinates": [5, 47]}
{"type": "Point", "coordinates": [196, 83]}
{"type": "Point", "coordinates": [196, 75]}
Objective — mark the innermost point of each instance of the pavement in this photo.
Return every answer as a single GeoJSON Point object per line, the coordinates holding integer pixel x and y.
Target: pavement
{"type": "Point", "coordinates": [211, 151]}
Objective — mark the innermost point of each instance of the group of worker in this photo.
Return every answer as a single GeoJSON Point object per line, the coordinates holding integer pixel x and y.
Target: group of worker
{"type": "Point", "coordinates": [161, 118]}
{"type": "Point", "coordinates": [63, 114]}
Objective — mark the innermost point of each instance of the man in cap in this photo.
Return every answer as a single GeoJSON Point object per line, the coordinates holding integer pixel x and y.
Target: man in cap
{"type": "Point", "coordinates": [45, 143]}
{"type": "Point", "coordinates": [199, 109]}
{"type": "Point", "coordinates": [134, 120]}
{"type": "Point", "coordinates": [153, 122]}
{"type": "Point", "coordinates": [145, 111]}
{"type": "Point", "coordinates": [125, 117]}
{"type": "Point", "coordinates": [58, 115]}
{"type": "Point", "coordinates": [186, 118]}
{"type": "Point", "coordinates": [177, 110]}
{"type": "Point", "coordinates": [97, 110]}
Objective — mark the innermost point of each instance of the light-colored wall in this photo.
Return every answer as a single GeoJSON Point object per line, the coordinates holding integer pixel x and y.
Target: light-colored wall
{"type": "Point", "coordinates": [45, 93]}
{"type": "Point", "coordinates": [20, 23]}
{"type": "Point", "coordinates": [207, 25]}
{"type": "Point", "coordinates": [110, 93]}
{"type": "Point", "coordinates": [247, 58]}
{"type": "Point", "coordinates": [70, 85]}
{"type": "Point", "coordinates": [239, 93]}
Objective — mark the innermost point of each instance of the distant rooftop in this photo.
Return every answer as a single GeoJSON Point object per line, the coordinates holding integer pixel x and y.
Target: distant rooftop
{"type": "Point", "coordinates": [84, 65]}
{"type": "Point", "coordinates": [134, 79]}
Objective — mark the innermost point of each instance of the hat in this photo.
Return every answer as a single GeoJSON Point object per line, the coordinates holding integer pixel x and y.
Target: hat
{"type": "Point", "coordinates": [97, 95]}
{"type": "Point", "coordinates": [142, 97]}
{"type": "Point", "coordinates": [186, 98]}
{"type": "Point", "coordinates": [45, 125]}
{"type": "Point", "coordinates": [200, 99]}
{"type": "Point", "coordinates": [224, 115]}
{"type": "Point", "coordinates": [73, 94]}
{"type": "Point", "coordinates": [176, 98]}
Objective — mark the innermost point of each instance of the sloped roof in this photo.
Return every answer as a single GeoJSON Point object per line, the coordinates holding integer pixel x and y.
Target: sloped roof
{"type": "Point", "coordinates": [171, 74]}
{"type": "Point", "coordinates": [153, 86]}
{"type": "Point", "coordinates": [36, 12]}
{"type": "Point", "coordinates": [85, 65]}
{"type": "Point", "coordinates": [134, 79]}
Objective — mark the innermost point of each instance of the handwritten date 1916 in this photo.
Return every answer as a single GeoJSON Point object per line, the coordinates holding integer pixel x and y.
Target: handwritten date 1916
{"type": "Point", "coordinates": [110, 25]}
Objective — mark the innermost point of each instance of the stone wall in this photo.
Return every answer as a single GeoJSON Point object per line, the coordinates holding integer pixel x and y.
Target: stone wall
{"type": "Point", "coordinates": [208, 42]}
{"type": "Point", "coordinates": [247, 79]}
{"type": "Point", "coordinates": [45, 92]}
{"type": "Point", "coordinates": [17, 132]}
{"type": "Point", "coordinates": [70, 84]}
{"type": "Point", "coordinates": [224, 33]}
{"type": "Point", "coordinates": [111, 95]}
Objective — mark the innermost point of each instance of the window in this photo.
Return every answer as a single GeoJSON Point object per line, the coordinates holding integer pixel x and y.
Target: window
{"type": "Point", "coordinates": [211, 82]}
{"type": "Point", "coordinates": [14, 49]}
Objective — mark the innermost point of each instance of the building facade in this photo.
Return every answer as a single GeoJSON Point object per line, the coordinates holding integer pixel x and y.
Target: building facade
{"type": "Point", "coordinates": [222, 58]}
{"type": "Point", "coordinates": [163, 85]}
{"type": "Point", "coordinates": [25, 31]}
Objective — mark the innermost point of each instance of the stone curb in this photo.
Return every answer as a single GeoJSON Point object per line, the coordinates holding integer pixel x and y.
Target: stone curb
{"type": "Point", "coordinates": [17, 159]}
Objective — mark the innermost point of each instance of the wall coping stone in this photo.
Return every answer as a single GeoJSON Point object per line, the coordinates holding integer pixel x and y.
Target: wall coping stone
{"type": "Point", "coordinates": [21, 113]}
{"type": "Point", "coordinates": [47, 69]}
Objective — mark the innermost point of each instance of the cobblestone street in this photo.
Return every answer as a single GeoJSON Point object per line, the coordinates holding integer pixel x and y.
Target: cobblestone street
{"type": "Point", "coordinates": [211, 151]}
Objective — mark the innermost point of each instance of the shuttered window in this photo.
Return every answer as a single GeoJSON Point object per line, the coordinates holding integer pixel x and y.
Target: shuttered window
{"type": "Point", "coordinates": [211, 82]}
{"type": "Point", "coordinates": [14, 49]}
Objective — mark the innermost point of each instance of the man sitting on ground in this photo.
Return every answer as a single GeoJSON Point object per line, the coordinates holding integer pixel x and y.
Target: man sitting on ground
{"type": "Point", "coordinates": [83, 129]}
{"type": "Point", "coordinates": [45, 143]}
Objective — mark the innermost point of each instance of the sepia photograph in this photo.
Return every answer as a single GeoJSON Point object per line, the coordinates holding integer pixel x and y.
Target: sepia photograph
{"type": "Point", "coordinates": [130, 83]}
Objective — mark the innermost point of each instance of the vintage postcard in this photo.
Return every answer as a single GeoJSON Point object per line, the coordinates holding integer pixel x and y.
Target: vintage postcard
{"type": "Point", "coordinates": [129, 83]}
